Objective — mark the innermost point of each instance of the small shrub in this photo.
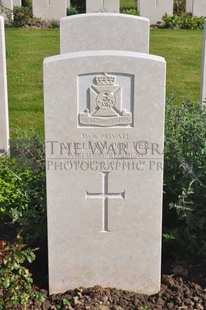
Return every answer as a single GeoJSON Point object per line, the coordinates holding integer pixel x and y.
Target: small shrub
{"type": "Point", "coordinates": [72, 10]}
{"type": "Point", "coordinates": [185, 179]}
{"type": "Point", "coordinates": [129, 11]}
{"type": "Point", "coordinates": [183, 21]}
{"type": "Point", "coordinates": [39, 23]}
{"type": "Point", "coordinates": [54, 24]}
{"type": "Point", "coordinates": [22, 16]}
{"type": "Point", "coordinates": [23, 190]}
{"type": "Point", "coordinates": [16, 284]}
{"type": "Point", "coordinates": [80, 5]}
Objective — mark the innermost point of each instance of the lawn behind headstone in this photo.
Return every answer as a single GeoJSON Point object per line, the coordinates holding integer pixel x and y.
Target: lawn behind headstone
{"type": "Point", "coordinates": [128, 3]}
{"type": "Point", "coordinates": [182, 51]}
{"type": "Point", "coordinates": [26, 50]}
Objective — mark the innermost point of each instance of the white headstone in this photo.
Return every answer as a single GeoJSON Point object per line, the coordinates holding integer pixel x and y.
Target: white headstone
{"type": "Point", "coordinates": [189, 6]}
{"type": "Point", "coordinates": [49, 9]}
{"type": "Point", "coordinates": [104, 120]}
{"type": "Point", "coordinates": [17, 2]}
{"type": "Point", "coordinates": [4, 118]}
{"type": "Point", "coordinates": [155, 9]}
{"type": "Point", "coordinates": [8, 4]}
{"type": "Point", "coordinates": [108, 31]}
{"type": "Point", "coordinates": [199, 8]}
{"type": "Point", "coordinates": [203, 69]}
{"type": "Point", "coordinates": [102, 6]}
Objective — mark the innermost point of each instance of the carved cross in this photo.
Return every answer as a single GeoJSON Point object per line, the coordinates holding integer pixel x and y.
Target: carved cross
{"type": "Point", "coordinates": [105, 196]}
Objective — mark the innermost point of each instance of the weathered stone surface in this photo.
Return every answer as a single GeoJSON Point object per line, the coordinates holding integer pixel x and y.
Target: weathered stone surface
{"type": "Point", "coordinates": [4, 119]}
{"type": "Point", "coordinates": [51, 10]}
{"type": "Point", "coordinates": [8, 4]}
{"type": "Point", "coordinates": [189, 6]}
{"type": "Point", "coordinates": [102, 6]}
{"type": "Point", "coordinates": [199, 8]}
{"type": "Point", "coordinates": [155, 9]}
{"type": "Point", "coordinates": [107, 31]}
{"type": "Point", "coordinates": [104, 122]}
{"type": "Point", "coordinates": [17, 2]}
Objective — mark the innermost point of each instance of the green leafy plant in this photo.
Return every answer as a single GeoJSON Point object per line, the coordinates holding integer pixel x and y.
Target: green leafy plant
{"type": "Point", "coordinates": [13, 199]}
{"type": "Point", "coordinates": [184, 179]}
{"type": "Point", "coordinates": [66, 302]}
{"type": "Point", "coordinates": [16, 284]}
{"type": "Point", "coordinates": [22, 16]}
{"type": "Point", "coordinates": [130, 11]}
{"type": "Point", "coordinates": [54, 24]}
{"type": "Point", "coordinates": [72, 10]}
{"type": "Point", "coordinates": [183, 21]}
{"type": "Point", "coordinates": [80, 5]}
{"type": "Point", "coordinates": [23, 191]}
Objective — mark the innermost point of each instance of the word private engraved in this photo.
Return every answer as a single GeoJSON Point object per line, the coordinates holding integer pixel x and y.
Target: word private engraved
{"type": "Point", "coordinates": [104, 104]}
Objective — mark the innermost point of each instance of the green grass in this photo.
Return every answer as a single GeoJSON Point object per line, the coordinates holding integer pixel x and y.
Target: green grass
{"type": "Point", "coordinates": [182, 52]}
{"type": "Point", "coordinates": [26, 50]}
{"type": "Point", "coordinates": [128, 3]}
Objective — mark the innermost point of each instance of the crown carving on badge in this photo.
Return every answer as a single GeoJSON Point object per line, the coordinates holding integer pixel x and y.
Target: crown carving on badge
{"type": "Point", "coordinates": [105, 79]}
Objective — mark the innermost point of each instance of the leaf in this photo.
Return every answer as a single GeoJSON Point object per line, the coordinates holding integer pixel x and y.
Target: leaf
{"type": "Point", "coordinates": [66, 302]}
{"type": "Point", "coordinates": [6, 283]}
{"type": "Point", "coordinates": [39, 296]}
{"type": "Point", "coordinates": [168, 236]}
{"type": "Point", "coordinates": [31, 257]}
{"type": "Point", "coordinates": [15, 266]}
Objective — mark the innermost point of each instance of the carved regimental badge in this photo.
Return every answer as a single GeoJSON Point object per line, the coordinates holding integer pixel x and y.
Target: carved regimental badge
{"type": "Point", "coordinates": [104, 108]}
